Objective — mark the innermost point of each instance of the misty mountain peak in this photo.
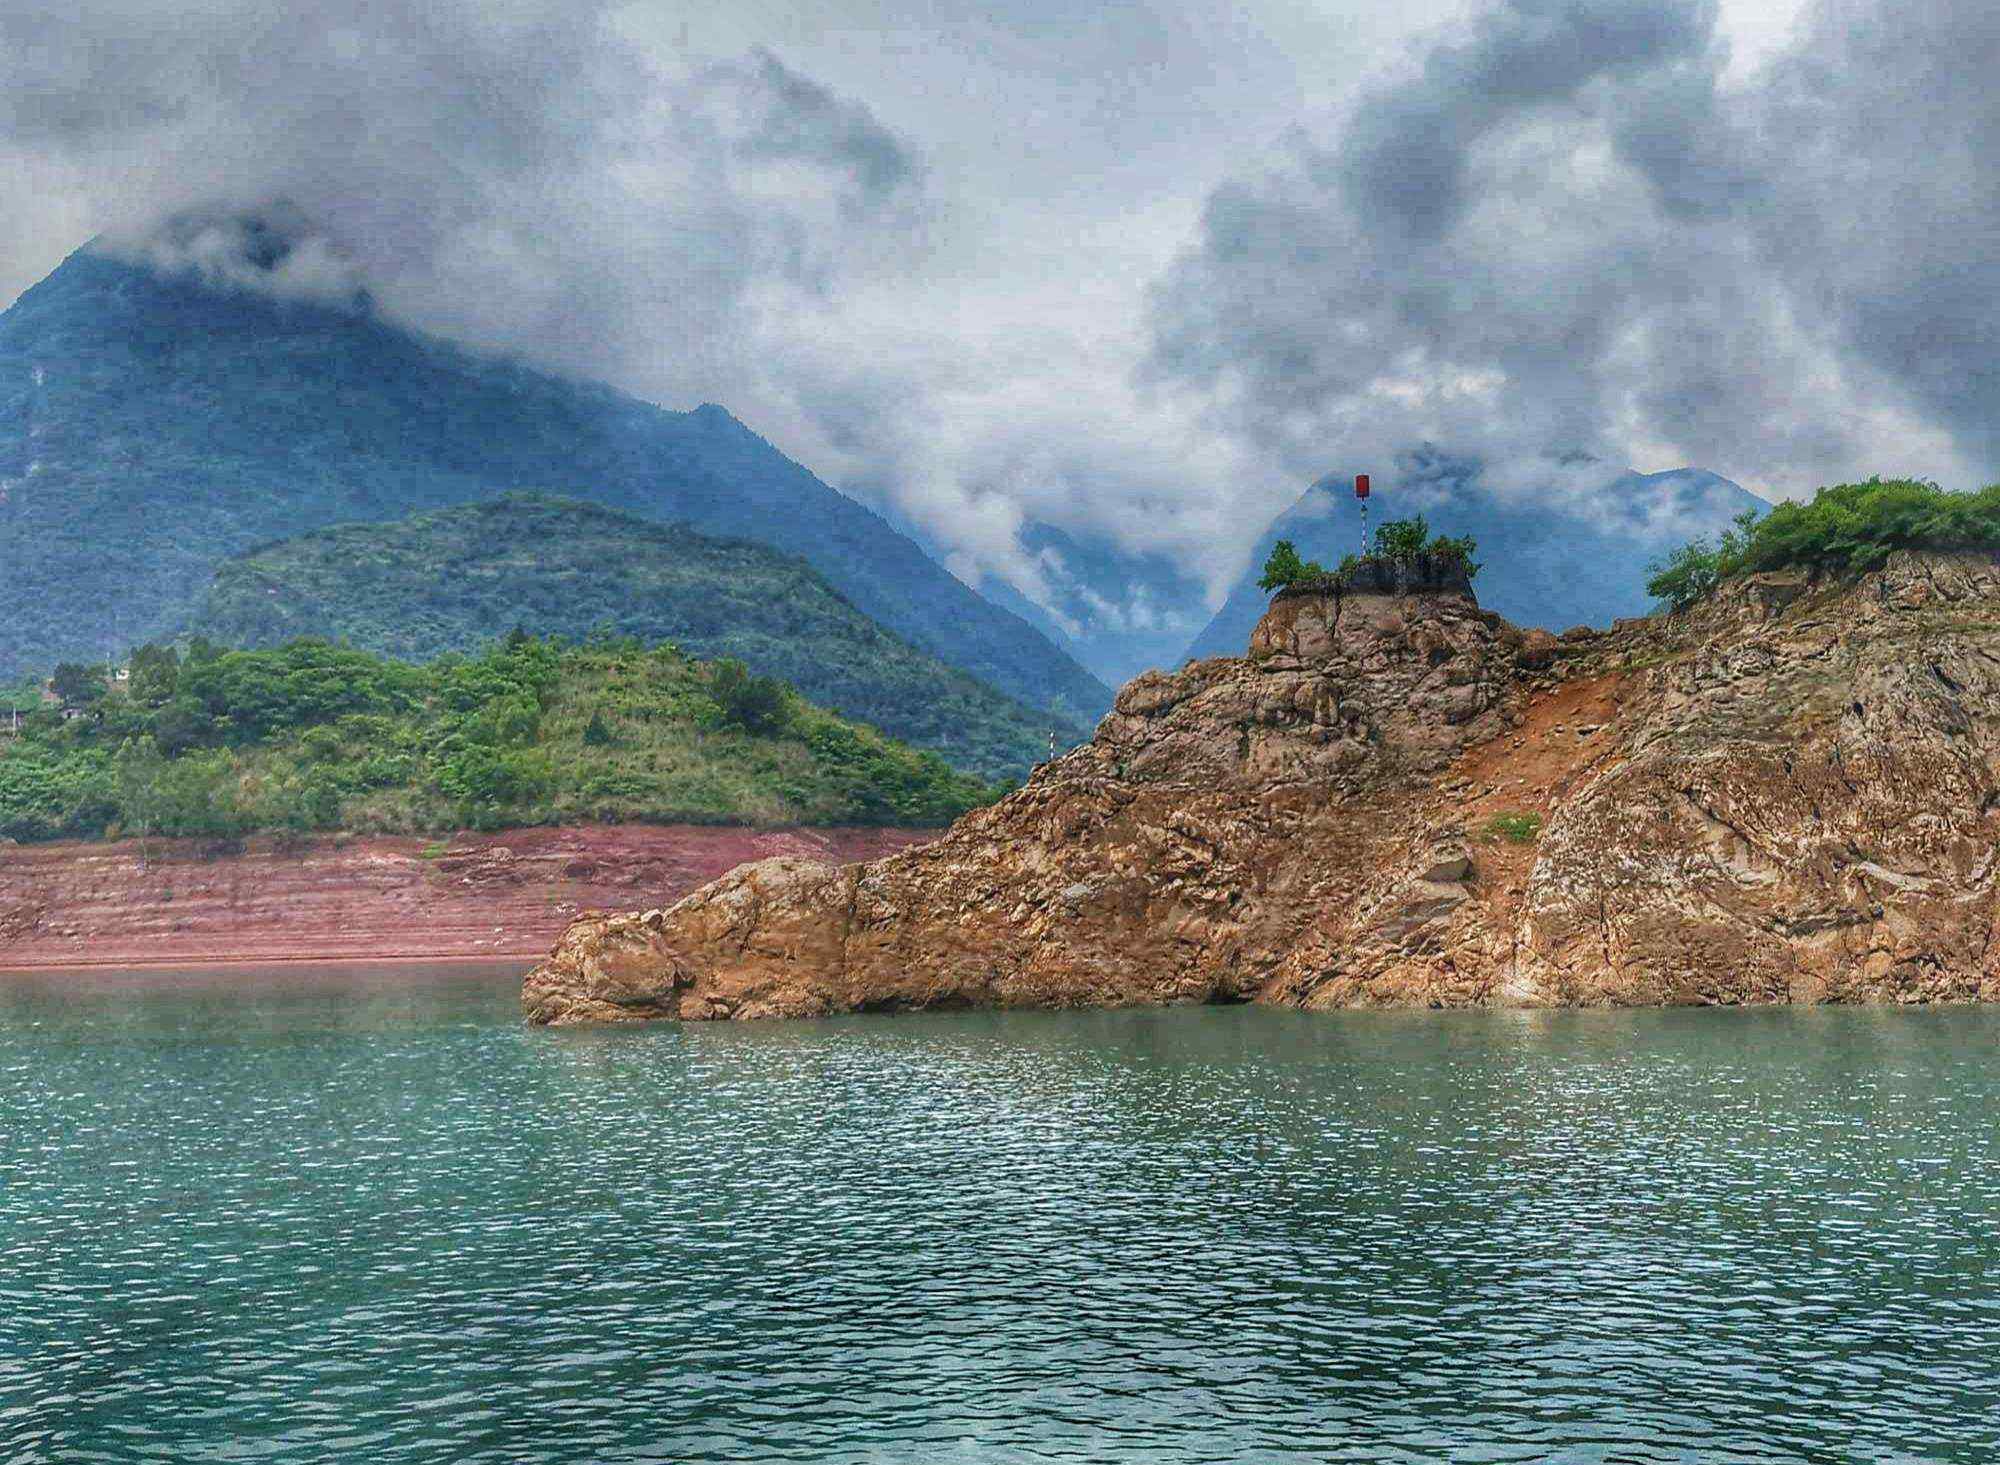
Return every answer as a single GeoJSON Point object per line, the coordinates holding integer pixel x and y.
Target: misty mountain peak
{"type": "Point", "coordinates": [275, 250]}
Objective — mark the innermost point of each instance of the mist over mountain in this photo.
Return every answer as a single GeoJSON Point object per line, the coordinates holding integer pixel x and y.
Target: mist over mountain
{"type": "Point", "coordinates": [151, 425]}
{"type": "Point", "coordinates": [1116, 610]}
{"type": "Point", "coordinates": [1541, 565]}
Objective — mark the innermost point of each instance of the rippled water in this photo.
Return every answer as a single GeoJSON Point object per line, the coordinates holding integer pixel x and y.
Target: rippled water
{"type": "Point", "coordinates": [369, 1217]}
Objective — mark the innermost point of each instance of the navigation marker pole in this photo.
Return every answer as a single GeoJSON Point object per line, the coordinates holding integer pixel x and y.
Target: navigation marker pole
{"type": "Point", "coordinates": [1361, 495]}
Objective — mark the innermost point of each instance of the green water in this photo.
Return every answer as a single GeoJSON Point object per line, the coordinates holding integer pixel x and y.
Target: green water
{"type": "Point", "coordinates": [367, 1216]}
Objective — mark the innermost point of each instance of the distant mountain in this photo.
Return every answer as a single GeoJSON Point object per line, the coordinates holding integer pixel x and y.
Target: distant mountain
{"type": "Point", "coordinates": [454, 579]}
{"type": "Point", "coordinates": [151, 427]}
{"type": "Point", "coordinates": [1552, 561]}
{"type": "Point", "coordinates": [1118, 611]}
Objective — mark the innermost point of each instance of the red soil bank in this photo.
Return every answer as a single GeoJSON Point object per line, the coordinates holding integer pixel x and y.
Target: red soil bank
{"type": "Point", "coordinates": [507, 894]}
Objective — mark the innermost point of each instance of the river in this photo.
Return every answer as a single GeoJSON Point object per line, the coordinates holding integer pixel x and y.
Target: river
{"type": "Point", "coordinates": [363, 1214]}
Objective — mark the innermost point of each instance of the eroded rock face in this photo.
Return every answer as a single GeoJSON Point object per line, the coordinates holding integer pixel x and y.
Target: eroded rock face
{"type": "Point", "coordinates": [1400, 799]}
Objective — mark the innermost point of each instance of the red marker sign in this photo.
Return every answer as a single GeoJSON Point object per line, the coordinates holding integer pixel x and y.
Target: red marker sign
{"type": "Point", "coordinates": [1361, 485]}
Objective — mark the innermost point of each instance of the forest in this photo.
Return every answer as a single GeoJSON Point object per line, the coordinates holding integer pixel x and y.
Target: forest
{"type": "Point", "coordinates": [217, 743]}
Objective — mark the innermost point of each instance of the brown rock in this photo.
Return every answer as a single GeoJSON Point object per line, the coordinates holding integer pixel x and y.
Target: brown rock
{"type": "Point", "coordinates": [1786, 794]}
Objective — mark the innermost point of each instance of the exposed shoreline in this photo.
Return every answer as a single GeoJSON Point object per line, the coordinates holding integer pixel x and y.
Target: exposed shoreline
{"type": "Point", "coordinates": [299, 959]}
{"type": "Point", "coordinates": [504, 896]}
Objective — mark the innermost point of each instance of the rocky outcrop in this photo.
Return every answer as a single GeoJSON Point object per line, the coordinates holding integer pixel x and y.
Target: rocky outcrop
{"type": "Point", "coordinates": [1788, 794]}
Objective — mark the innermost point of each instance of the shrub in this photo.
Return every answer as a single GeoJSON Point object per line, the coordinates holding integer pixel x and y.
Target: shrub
{"type": "Point", "coordinates": [1846, 527]}
{"type": "Point", "coordinates": [1402, 539]}
{"type": "Point", "coordinates": [1406, 541]}
{"type": "Point", "coordinates": [1284, 567]}
{"type": "Point", "coordinates": [1460, 547]}
{"type": "Point", "coordinates": [319, 745]}
{"type": "Point", "coordinates": [755, 704]}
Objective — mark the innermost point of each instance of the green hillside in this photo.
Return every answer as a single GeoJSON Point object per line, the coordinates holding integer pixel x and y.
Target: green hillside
{"type": "Point", "coordinates": [312, 736]}
{"type": "Point", "coordinates": [452, 579]}
{"type": "Point", "coordinates": [151, 428]}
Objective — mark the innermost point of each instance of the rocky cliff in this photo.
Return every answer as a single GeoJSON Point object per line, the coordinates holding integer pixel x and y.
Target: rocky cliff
{"type": "Point", "coordinates": [1786, 795]}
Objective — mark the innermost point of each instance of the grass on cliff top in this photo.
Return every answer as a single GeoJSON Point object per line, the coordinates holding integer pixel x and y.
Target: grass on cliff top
{"type": "Point", "coordinates": [1850, 526]}
{"type": "Point", "coordinates": [312, 736]}
{"type": "Point", "coordinates": [1515, 828]}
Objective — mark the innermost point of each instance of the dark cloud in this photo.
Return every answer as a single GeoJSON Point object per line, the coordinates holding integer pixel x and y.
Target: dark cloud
{"type": "Point", "coordinates": [791, 118]}
{"type": "Point", "coordinates": [1567, 232]}
{"type": "Point", "coordinates": [1406, 165]}
{"type": "Point", "coordinates": [519, 175]}
{"type": "Point", "coordinates": [1883, 133]}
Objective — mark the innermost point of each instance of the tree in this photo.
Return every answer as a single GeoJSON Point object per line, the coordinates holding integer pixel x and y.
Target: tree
{"type": "Point", "coordinates": [156, 672]}
{"type": "Point", "coordinates": [1284, 567]}
{"type": "Point", "coordinates": [755, 704]}
{"type": "Point", "coordinates": [1694, 570]}
{"type": "Point", "coordinates": [1403, 539]}
{"type": "Point", "coordinates": [1686, 575]}
{"type": "Point", "coordinates": [199, 797]}
{"type": "Point", "coordinates": [139, 769]}
{"type": "Point", "coordinates": [596, 734]}
{"type": "Point", "coordinates": [78, 685]}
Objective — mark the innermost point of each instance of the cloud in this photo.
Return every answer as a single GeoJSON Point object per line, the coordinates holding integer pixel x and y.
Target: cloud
{"type": "Point", "coordinates": [575, 183]}
{"type": "Point", "coordinates": [1134, 275]}
{"type": "Point", "coordinates": [275, 251]}
{"type": "Point", "coordinates": [521, 176]}
{"type": "Point", "coordinates": [1565, 236]}
{"type": "Point", "coordinates": [1882, 130]}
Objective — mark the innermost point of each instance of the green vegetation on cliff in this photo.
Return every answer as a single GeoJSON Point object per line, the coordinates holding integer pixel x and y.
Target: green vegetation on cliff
{"type": "Point", "coordinates": [312, 736]}
{"type": "Point", "coordinates": [1850, 526]}
{"type": "Point", "coordinates": [1401, 546]}
{"type": "Point", "coordinates": [453, 579]}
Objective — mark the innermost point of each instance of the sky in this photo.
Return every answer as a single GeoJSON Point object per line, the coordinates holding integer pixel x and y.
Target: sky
{"type": "Point", "coordinates": [1132, 272]}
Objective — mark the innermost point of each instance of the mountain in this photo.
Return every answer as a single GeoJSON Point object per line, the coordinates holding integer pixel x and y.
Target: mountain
{"type": "Point", "coordinates": [1118, 611]}
{"type": "Point", "coordinates": [151, 427]}
{"type": "Point", "coordinates": [1547, 564]}
{"type": "Point", "coordinates": [454, 579]}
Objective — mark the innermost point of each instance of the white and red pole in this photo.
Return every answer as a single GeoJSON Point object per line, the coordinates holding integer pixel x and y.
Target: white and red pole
{"type": "Point", "coordinates": [1361, 497]}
